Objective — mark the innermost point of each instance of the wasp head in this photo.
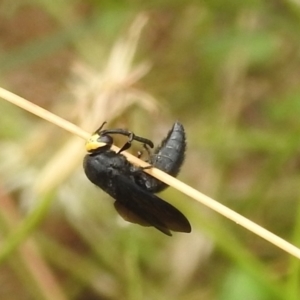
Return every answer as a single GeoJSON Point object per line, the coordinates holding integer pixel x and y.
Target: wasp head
{"type": "Point", "coordinates": [98, 143]}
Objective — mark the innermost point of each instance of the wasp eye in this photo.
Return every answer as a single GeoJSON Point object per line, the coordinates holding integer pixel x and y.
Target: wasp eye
{"type": "Point", "coordinates": [107, 139]}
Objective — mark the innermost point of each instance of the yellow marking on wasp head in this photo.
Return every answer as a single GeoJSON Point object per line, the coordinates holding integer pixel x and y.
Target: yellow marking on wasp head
{"type": "Point", "coordinates": [93, 143]}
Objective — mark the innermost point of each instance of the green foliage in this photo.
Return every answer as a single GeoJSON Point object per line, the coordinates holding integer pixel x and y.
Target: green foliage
{"type": "Point", "coordinates": [229, 71]}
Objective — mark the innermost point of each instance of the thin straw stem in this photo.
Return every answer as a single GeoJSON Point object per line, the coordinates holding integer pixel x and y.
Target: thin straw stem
{"type": "Point", "coordinates": [43, 113]}
{"type": "Point", "coordinates": [184, 188]}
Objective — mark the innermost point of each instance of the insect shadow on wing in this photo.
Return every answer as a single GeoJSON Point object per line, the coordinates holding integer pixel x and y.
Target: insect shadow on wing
{"type": "Point", "coordinates": [127, 183]}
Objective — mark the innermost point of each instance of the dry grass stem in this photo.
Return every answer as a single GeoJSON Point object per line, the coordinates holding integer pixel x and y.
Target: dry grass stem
{"type": "Point", "coordinates": [42, 113]}
{"type": "Point", "coordinates": [184, 188]}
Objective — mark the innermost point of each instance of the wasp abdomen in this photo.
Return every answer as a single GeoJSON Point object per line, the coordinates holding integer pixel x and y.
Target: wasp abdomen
{"type": "Point", "coordinates": [168, 157]}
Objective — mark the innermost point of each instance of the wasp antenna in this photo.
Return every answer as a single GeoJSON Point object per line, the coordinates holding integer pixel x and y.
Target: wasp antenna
{"type": "Point", "coordinates": [100, 128]}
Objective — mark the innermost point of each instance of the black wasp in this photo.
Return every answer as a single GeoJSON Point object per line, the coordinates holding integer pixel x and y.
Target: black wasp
{"type": "Point", "coordinates": [131, 187]}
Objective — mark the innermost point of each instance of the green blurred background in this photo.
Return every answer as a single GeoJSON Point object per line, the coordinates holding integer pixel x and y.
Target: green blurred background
{"type": "Point", "coordinates": [228, 70]}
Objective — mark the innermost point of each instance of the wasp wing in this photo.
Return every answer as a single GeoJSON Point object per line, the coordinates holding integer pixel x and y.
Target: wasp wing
{"type": "Point", "coordinates": [136, 205]}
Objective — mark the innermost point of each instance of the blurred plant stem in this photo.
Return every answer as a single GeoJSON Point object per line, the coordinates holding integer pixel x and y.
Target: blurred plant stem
{"type": "Point", "coordinates": [27, 263]}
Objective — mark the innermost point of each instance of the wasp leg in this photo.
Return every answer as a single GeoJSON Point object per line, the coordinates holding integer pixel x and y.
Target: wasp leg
{"type": "Point", "coordinates": [127, 145]}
